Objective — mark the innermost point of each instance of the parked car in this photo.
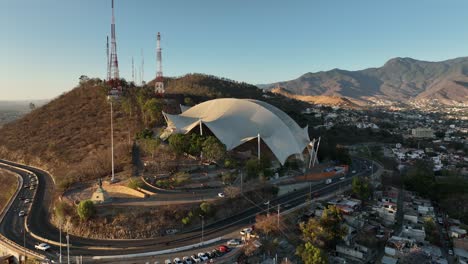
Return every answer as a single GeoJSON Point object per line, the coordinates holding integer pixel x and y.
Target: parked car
{"type": "Point", "coordinates": [246, 231]}
{"type": "Point", "coordinates": [224, 249]}
{"type": "Point", "coordinates": [195, 258]}
{"type": "Point", "coordinates": [187, 260]}
{"type": "Point", "coordinates": [26, 186]}
{"type": "Point", "coordinates": [328, 181]}
{"type": "Point", "coordinates": [450, 252]}
{"type": "Point", "coordinates": [27, 201]}
{"type": "Point", "coordinates": [178, 261]}
{"type": "Point", "coordinates": [21, 213]}
{"type": "Point", "coordinates": [234, 242]}
{"type": "Point", "coordinates": [353, 172]}
{"type": "Point", "coordinates": [42, 246]}
{"type": "Point", "coordinates": [211, 255]}
{"type": "Point", "coordinates": [217, 253]}
{"type": "Point", "coordinates": [202, 256]}
{"type": "Point", "coordinates": [221, 195]}
{"type": "Point", "coordinates": [342, 178]}
{"type": "Point", "coordinates": [171, 231]}
{"type": "Point", "coordinates": [167, 261]}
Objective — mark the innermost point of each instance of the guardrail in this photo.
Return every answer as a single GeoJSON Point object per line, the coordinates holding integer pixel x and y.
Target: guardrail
{"type": "Point", "coordinates": [161, 252]}
{"type": "Point", "coordinates": [7, 208]}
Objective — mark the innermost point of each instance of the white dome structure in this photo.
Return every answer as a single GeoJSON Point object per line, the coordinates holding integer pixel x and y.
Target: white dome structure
{"type": "Point", "coordinates": [237, 121]}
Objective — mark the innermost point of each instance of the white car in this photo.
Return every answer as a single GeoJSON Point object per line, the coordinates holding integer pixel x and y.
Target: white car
{"type": "Point", "coordinates": [21, 213]}
{"type": "Point", "coordinates": [353, 172]}
{"type": "Point", "coordinates": [246, 231]}
{"type": "Point", "coordinates": [167, 261]}
{"type": "Point", "coordinates": [202, 256]}
{"type": "Point", "coordinates": [221, 195]}
{"type": "Point", "coordinates": [342, 178]}
{"type": "Point", "coordinates": [177, 261]}
{"type": "Point", "coordinates": [42, 246]}
{"type": "Point", "coordinates": [233, 242]}
{"type": "Point", "coordinates": [450, 252]}
{"type": "Point", "coordinates": [195, 258]}
{"type": "Point", "coordinates": [27, 201]}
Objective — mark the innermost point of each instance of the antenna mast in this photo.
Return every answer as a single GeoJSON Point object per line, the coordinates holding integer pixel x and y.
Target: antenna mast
{"type": "Point", "coordinates": [114, 60]}
{"type": "Point", "coordinates": [159, 85]}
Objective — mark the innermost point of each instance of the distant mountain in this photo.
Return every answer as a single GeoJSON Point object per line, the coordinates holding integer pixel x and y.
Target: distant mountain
{"type": "Point", "coordinates": [399, 80]}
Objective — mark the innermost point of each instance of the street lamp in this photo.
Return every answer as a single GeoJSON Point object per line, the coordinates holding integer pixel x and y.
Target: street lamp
{"type": "Point", "coordinates": [202, 226]}
{"type": "Point", "coordinates": [112, 142]}
{"type": "Point", "coordinates": [68, 248]}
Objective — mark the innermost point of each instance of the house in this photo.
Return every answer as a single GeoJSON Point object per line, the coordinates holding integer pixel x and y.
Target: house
{"type": "Point", "coordinates": [457, 232]}
{"type": "Point", "coordinates": [413, 231]}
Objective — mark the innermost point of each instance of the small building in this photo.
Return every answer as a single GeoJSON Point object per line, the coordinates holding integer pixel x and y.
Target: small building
{"type": "Point", "coordinates": [422, 132]}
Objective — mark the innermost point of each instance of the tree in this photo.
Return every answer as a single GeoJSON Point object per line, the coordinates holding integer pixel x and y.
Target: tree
{"type": "Point", "coordinates": [332, 223]}
{"type": "Point", "coordinates": [150, 145]}
{"type": "Point", "coordinates": [152, 110]}
{"type": "Point", "coordinates": [326, 232]}
{"type": "Point", "coordinates": [188, 101]}
{"type": "Point", "coordinates": [86, 210]}
{"type": "Point", "coordinates": [206, 208]}
{"type": "Point", "coordinates": [32, 106]}
{"type": "Point", "coordinates": [232, 192]}
{"type": "Point", "coordinates": [253, 168]}
{"type": "Point", "coordinates": [213, 149]}
{"type": "Point", "coordinates": [195, 144]}
{"type": "Point", "coordinates": [178, 143]}
{"type": "Point", "coordinates": [267, 224]}
{"type": "Point", "coordinates": [362, 188]}
{"type": "Point", "coordinates": [342, 155]}
{"type": "Point", "coordinates": [311, 254]}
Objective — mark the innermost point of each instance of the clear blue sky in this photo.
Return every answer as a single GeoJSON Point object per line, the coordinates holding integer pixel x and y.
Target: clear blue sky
{"type": "Point", "coordinates": [47, 44]}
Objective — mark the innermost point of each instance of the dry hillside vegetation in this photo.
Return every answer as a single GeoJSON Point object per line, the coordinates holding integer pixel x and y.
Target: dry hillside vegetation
{"type": "Point", "coordinates": [9, 183]}
{"type": "Point", "coordinates": [70, 136]}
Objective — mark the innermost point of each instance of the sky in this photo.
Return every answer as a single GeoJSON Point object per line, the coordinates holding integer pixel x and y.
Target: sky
{"type": "Point", "coordinates": [46, 45]}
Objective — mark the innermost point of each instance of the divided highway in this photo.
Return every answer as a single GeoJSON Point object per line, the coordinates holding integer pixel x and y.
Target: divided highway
{"type": "Point", "coordinates": [12, 226]}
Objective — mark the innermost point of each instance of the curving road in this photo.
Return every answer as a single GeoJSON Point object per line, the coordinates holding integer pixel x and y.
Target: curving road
{"type": "Point", "coordinates": [12, 226]}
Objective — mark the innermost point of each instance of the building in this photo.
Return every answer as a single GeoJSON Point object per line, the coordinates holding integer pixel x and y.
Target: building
{"type": "Point", "coordinates": [422, 132]}
{"type": "Point", "coordinates": [238, 121]}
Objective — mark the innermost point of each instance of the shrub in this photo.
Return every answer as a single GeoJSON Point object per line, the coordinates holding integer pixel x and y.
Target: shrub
{"type": "Point", "coordinates": [86, 210]}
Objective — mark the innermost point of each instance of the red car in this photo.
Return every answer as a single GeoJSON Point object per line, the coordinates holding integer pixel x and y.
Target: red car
{"type": "Point", "coordinates": [224, 249]}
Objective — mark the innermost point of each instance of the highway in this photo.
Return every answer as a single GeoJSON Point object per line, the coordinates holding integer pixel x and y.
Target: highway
{"type": "Point", "coordinates": [12, 225]}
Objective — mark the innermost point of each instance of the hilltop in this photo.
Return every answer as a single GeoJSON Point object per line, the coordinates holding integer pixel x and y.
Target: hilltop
{"type": "Point", "coordinates": [398, 80]}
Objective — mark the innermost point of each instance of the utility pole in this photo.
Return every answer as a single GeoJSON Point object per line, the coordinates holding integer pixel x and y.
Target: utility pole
{"type": "Point", "coordinates": [112, 143]}
{"type": "Point", "coordinates": [202, 226]}
{"type": "Point", "coordinates": [24, 243]}
{"type": "Point", "coordinates": [278, 220]}
{"type": "Point", "coordinates": [60, 233]}
{"type": "Point", "coordinates": [68, 249]}
{"type": "Point", "coordinates": [242, 182]}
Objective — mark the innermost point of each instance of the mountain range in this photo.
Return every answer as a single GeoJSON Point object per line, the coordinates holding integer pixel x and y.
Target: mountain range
{"type": "Point", "coordinates": [398, 80]}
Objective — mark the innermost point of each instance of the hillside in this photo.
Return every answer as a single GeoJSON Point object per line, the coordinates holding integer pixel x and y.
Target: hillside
{"type": "Point", "coordinates": [399, 80]}
{"type": "Point", "coordinates": [318, 99]}
{"type": "Point", "coordinates": [70, 136]}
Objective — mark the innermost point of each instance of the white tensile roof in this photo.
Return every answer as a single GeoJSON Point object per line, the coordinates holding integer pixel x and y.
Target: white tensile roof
{"type": "Point", "coordinates": [236, 121]}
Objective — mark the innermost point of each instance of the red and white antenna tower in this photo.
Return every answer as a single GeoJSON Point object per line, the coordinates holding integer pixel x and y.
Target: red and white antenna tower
{"type": "Point", "coordinates": [108, 61]}
{"type": "Point", "coordinates": [114, 62]}
{"type": "Point", "coordinates": [159, 85]}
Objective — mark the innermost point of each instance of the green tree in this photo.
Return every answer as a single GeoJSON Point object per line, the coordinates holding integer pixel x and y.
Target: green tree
{"type": "Point", "coordinates": [213, 149]}
{"type": "Point", "coordinates": [152, 111]}
{"type": "Point", "coordinates": [86, 210]}
{"type": "Point", "coordinates": [253, 168]}
{"type": "Point", "coordinates": [311, 254]}
{"type": "Point", "coordinates": [326, 232]}
{"type": "Point", "coordinates": [195, 144]}
{"type": "Point", "coordinates": [362, 188]}
{"type": "Point", "coordinates": [150, 145]}
{"type": "Point", "coordinates": [178, 143]}
{"type": "Point", "coordinates": [206, 208]}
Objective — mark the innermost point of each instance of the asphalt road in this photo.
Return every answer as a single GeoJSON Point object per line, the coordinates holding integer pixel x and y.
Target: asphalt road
{"type": "Point", "coordinates": [12, 226]}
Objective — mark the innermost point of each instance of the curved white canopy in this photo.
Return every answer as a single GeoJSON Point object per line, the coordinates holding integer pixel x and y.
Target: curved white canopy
{"type": "Point", "coordinates": [236, 121]}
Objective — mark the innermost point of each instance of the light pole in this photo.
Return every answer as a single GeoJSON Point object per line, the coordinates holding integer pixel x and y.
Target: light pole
{"type": "Point", "coordinates": [68, 248]}
{"type": "Point", "coordinates": [24, 243]}
{"type": "Point", "coordinates": [202, 226]}
{"type": "Point", "coordinates": [60, 231]}
{"type": "Point", "coordinates": [112, 142]}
